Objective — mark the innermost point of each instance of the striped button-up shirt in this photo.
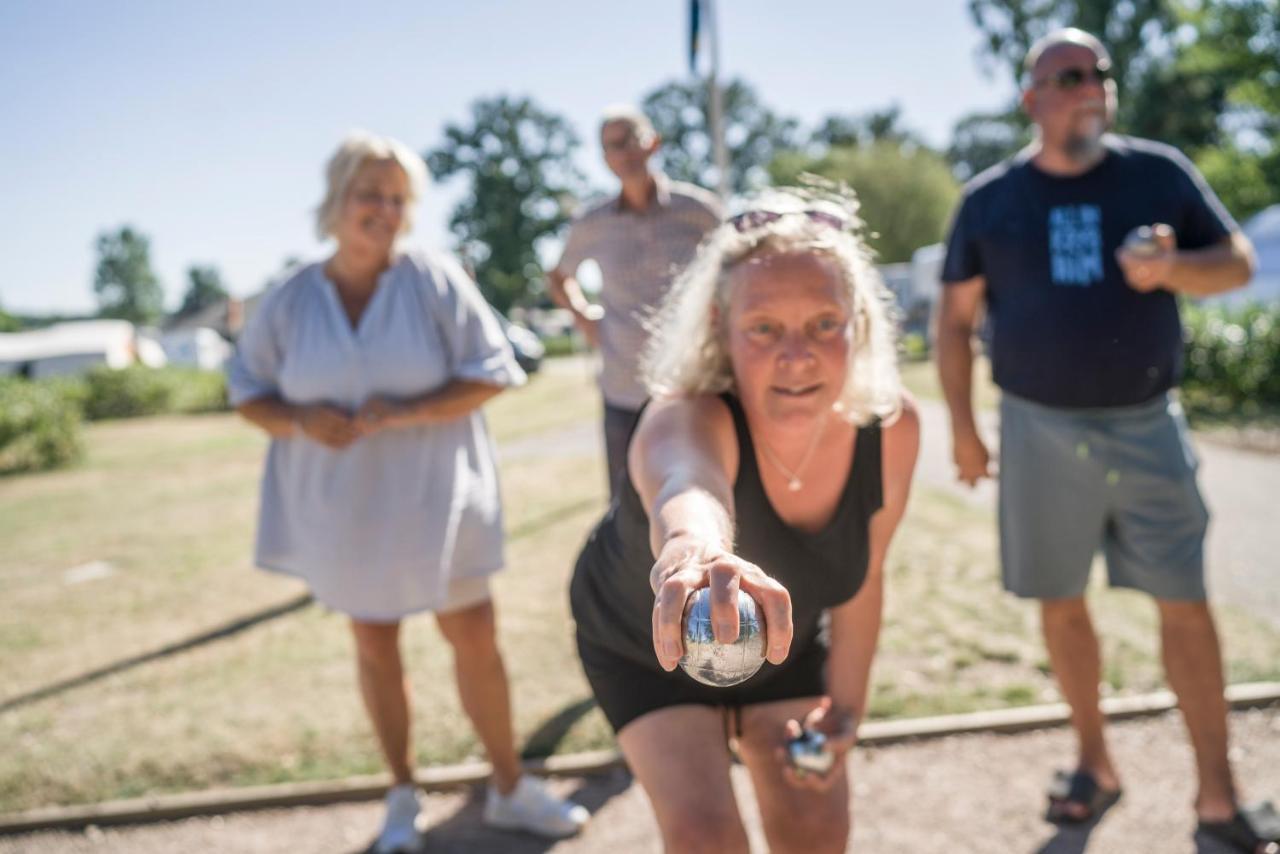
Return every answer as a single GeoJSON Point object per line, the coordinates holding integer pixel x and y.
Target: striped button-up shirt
{"type": "Point", "coordinates": [640, 253]}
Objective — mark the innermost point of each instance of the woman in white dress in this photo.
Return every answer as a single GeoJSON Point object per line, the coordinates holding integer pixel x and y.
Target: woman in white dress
{"type": "Point", "coordinates": [368, 371]}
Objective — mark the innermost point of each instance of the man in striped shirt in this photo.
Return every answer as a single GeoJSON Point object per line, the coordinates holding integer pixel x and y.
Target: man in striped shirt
{"type": "Point", "coordinates": [641, 239]}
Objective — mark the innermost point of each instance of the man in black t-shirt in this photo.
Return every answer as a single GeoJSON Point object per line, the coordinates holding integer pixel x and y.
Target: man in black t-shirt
{"type": "Point", "coordinates": [1086, 347]}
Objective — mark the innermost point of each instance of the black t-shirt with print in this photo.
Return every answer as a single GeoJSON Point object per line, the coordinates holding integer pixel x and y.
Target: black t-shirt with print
{"type": "Point", "coordinates": [1066, 329]}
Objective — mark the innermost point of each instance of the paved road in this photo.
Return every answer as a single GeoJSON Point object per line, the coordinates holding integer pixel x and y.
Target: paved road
{"type": "Point", "coordinates": [979, 794]}
{"type": "Point", "coordinates": [1242, 489]}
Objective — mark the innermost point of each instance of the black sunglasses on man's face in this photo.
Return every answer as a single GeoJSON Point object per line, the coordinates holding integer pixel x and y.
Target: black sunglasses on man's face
{"type": "Point", "coordinates": [1067, 79]}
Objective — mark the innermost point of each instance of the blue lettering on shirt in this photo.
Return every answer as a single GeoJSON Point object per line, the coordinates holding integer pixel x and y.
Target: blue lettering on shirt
{"type": "Point", "coordinates": [1075, 245]}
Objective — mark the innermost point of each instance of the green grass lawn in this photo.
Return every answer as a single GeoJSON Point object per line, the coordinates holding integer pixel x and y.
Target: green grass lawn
{"type": "Point", "coordinates": [169, 503]}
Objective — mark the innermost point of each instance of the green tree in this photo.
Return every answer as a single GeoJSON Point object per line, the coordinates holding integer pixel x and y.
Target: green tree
{"type": "Point", "coordinates": [9, 323]}
{"type": "Point", "coordinates": [518, 161]}
{"type": "Point", "coordinates": [1127, 27]}
{"type": "Point", "coordinates": [1134, 31]}
{"type": "Point", "coordinates": [981, 140]}
{"type": "Point", "coordinates": [876, 126]}
{"type": "Point", "coordinates": [1203, 77]}
{"type": "Point", "coordinates": [1244, 181]}
{"type": "Point", "coordinates": [124, 283]}
{"type": "Point", "coordinates": [204, 288]}
{"type": "Point", "coordinates": [753, 133]}
{"type": "Point", "coordinates": [1239, 43]}
{"type": "Point", "coordinates": [906, 192]}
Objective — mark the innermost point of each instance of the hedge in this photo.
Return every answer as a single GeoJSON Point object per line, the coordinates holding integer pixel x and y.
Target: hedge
{"type": "Point", "coordinates": [1232, 359]}
{"type": "Point", "coordinates": [137, 390]}
{"type": "Point", "coordinates": [39, 426]}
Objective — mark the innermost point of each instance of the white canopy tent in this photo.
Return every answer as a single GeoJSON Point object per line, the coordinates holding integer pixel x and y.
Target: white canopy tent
{"type": "Point", "coordinates": [75, 347]}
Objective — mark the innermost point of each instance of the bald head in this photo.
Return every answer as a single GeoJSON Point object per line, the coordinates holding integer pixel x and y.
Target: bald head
{"type": "Point", "coordinates": [1065, 37]}
{"type": "Point", "coordinates": [1070, 97]}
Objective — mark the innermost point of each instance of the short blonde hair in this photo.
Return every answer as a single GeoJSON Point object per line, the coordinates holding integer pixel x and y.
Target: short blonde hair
{"type": "Point", "coordinates": [358, 148]}
{"type": "Point", "coordinates": [687, 352]}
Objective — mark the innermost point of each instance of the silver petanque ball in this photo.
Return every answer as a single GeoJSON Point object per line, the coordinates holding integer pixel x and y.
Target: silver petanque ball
{"type": "Point", "coordinates": [808, 752]}
{"type": "Point", "coordinates": [719, 664]}
{"type": "Point", "coordinates": [1142, 241]}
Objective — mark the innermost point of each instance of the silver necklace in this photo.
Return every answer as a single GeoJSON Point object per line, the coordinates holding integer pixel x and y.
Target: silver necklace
{"type": "Point", "coordinates": [794, 483]}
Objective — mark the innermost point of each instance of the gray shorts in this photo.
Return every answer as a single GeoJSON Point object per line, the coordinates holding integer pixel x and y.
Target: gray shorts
{"type": "Point", "coordinates": [1119, 479]}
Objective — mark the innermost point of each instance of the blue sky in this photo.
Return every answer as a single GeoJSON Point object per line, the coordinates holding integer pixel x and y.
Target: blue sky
{"type": "Point", "coordinates": [206, 125]}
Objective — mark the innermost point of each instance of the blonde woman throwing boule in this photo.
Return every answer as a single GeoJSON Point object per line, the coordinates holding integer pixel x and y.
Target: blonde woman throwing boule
{"type": "Point", "coordinates": [775, 457]}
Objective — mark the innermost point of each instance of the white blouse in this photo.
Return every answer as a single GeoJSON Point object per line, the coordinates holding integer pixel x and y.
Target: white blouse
{"type": "Point", "coordinates": [379, 528]}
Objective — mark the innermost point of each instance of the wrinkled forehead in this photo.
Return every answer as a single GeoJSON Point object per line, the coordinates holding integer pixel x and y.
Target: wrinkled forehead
{"type": "Point", "coordinates": [783, 280]}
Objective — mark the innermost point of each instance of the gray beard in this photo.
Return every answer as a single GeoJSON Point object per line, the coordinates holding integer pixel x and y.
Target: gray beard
{"type": "Point", "coordinates": [1083, 149]}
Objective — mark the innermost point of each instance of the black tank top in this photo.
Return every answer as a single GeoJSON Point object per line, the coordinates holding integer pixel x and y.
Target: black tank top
{"type": "Point", "coordinates": [610, 594]}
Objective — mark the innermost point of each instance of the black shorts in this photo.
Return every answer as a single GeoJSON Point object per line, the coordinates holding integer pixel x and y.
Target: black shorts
{"type": "Point", "coordinates": [627, 690]}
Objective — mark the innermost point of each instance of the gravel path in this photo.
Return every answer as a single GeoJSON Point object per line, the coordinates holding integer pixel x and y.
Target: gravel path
{"type": "Point", "coordinates": [978, 793]}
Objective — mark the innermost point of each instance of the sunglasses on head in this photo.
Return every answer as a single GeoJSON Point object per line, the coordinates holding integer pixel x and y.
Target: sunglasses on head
{"type": "Point", "coordinates": [1067, 79]}
{"type": "Point", "coordinates": [749, 220]}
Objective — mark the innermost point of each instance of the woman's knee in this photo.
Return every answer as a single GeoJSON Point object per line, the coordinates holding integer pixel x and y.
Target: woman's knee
{"type": "Point", "coordinates": [816, 830]}
{"type": "Point", "coordinates": [698, 828]}
{"type": "Point", "coordinates": [472, 630]}
{"type": "Point", "coordinates": [377, 644]}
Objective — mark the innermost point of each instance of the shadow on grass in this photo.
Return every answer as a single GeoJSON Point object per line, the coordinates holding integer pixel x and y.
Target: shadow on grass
{"type": "Point", "coordinates": [546, 738]}
{"type": "Point", "coordinates": [551, 517]}
{"type": "Point", "coordinates": [224, 631]}
{"type": "Point", "coordinates": [465, 831]}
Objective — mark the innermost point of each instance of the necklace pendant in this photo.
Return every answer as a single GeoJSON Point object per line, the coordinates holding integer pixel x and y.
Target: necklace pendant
{"type": "Point", "coordinates": [794, 484]}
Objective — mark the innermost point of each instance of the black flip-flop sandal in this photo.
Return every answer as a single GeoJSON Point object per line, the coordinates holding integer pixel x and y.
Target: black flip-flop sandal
{"type": "Point", "coordinates": [1252, 828]}
{"type": "Point", "coordinates": [1077, 787]}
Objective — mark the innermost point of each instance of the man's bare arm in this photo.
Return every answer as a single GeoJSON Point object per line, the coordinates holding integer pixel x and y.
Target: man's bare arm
{"type": "Point", "coordinates": [957, 322]}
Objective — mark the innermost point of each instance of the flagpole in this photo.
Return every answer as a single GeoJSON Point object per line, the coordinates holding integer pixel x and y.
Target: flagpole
{"type": "Point", "coordinates": [715, 113]}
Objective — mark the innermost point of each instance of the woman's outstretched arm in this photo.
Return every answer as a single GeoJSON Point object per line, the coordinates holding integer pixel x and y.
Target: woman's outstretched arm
{"type": "Point", "coordinates": [683, 461]}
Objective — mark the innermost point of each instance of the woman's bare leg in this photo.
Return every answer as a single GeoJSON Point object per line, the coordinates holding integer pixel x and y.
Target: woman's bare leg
{"type": "Point", "coordinates": [680, 758]}
{"type": "Point", "coordinates": [483, 687]}
{"type": "Point", "coordinates": [795, 819]}
{"type": "Point", "coordinates": [386, 692]}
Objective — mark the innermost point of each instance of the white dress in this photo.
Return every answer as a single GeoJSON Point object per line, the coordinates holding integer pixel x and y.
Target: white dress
{"type": "Point", "coordinates": [379, 529]}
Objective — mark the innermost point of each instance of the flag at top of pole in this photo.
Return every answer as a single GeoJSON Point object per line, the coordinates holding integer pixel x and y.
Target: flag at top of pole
{"type": "Point", "coordinates": [695, 24]}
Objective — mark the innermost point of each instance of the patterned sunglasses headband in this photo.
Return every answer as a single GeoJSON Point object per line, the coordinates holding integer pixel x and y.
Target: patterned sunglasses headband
{"type": "Point", "coordinates": [750, 220]}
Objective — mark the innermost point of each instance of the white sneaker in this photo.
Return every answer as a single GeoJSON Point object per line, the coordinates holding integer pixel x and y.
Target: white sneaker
{"type": "Point", "coordinates": [532, 807]}
{"type": "Point", "coordinates": [402, 828]}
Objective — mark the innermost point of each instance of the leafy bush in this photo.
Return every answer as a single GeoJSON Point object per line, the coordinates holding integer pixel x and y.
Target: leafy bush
{"type": "Point", "coordinates": [194, 390]}
{"type": "Point", "coordinates": [914, 347]}
{"type": "Point", "coordinates": [906, 193]}
{"type": "Point", "coordinates": [126, 393]}
{"type": "Point", "coordinates": [1232, 359]}
{"type": "Point", "coordinates": [74, 390]}
{"type": "Point", "coordinates": [561, 345]}
{"type": "Point", "coordinates": [138, 390]}
{"type": "Point", "coordinates": [39, 427]}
